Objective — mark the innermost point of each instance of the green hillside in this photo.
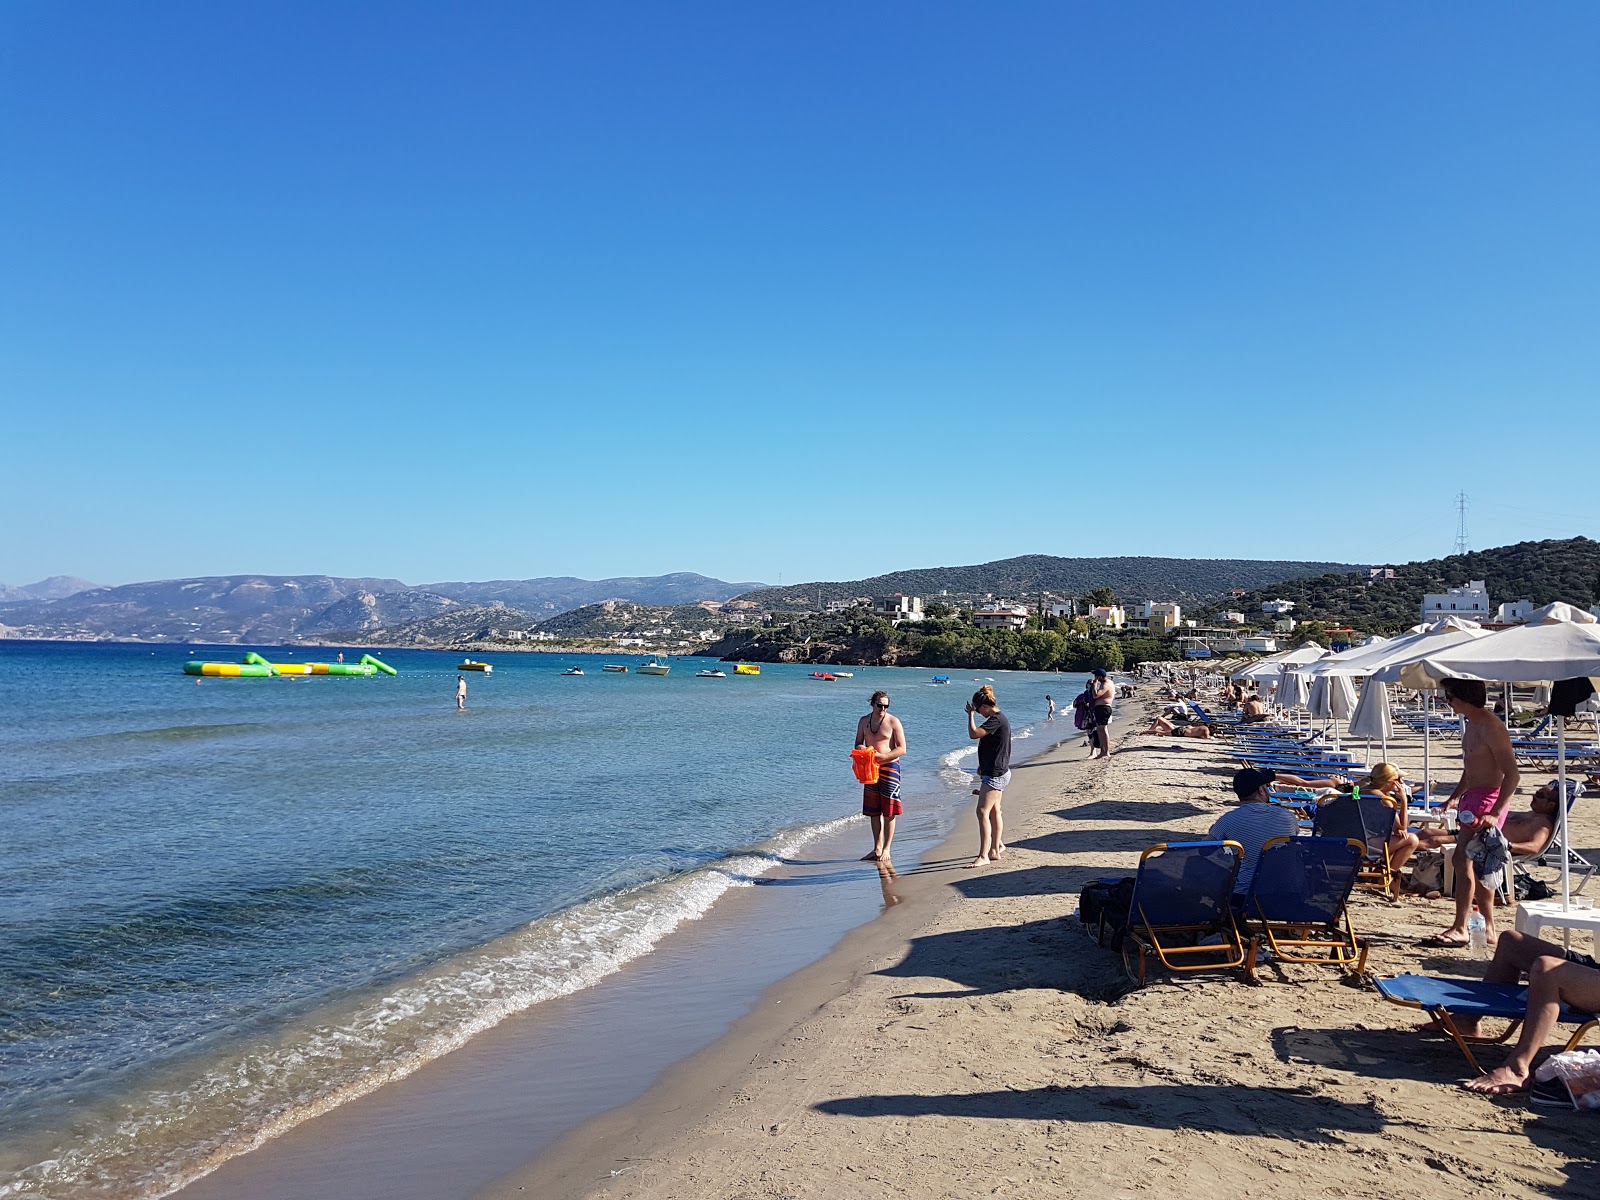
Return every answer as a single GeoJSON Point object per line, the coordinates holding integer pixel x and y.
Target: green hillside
{"type": "Point", "coordinates": [1132, 579]}
{"type": "Point", "coordinates": [1539, 571]}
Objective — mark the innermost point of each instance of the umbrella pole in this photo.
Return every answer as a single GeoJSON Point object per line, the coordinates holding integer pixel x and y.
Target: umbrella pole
{"type": "Point", "coordinates": [1427, 771]}
{"type": "Point", "coordinates": [1561, 817]}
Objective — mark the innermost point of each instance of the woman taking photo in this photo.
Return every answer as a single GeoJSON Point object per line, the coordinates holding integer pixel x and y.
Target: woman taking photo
{"type": "Point", "coordinates": [994, 771]}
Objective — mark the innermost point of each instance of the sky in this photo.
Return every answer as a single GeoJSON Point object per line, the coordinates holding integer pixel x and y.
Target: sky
{"type": "Point", "coordinates": [474, 290]}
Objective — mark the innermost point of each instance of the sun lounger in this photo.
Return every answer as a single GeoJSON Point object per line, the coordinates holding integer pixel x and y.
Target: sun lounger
{"type": "Point", "coordinates": [1367, 820]}
{"type": "Point", "coordinates": [1446, 999]}
{"type": "Point", "coordinates": [1299, 902]}
{"type": "Point", "coordinates": [1181, 909]}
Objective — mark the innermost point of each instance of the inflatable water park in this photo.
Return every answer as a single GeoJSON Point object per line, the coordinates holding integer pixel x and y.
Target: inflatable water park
{"type": "Point", "coordinates": [253, 666]}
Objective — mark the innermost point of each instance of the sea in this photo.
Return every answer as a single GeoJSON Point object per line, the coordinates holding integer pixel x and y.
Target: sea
{"type": "Point", "coordinates": [228, 905]}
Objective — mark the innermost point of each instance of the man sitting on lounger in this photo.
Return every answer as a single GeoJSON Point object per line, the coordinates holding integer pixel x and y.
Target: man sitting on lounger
{"type": "Point", "coordinates": [1252, 711]}
{"type": "Point", "coordinates": [1555, 977]}
{"type": "Point", "coordinates": [1256, 821]}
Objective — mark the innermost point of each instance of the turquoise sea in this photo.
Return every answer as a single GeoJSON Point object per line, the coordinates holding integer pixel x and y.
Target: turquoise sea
{"type": "Point", "coordinates": [230, 905]}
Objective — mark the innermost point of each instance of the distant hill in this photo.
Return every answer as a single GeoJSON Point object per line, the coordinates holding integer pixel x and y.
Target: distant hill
{"type": "Point", "coordinates": [57, 587]}
{"type": "Point", "coordinates": [1132, 579]}
{"type": "Point", "coordinates": [277, 609]}
{"type": "Point", "coordinates": [1539, 571]}
{"type": "Point", "coordinates": [458, 625]}
{"type": "Point", "coordinates": [548, 596]}
{"type": "Point", "coordinates": [621, 616]}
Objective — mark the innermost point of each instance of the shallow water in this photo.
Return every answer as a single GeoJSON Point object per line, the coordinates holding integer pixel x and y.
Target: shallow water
{"type": "Point", "coordinates": [230, 905]}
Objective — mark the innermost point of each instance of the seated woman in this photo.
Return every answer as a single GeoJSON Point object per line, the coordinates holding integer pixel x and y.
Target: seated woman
{"type": "Point", "coordinates": [1385, 781]}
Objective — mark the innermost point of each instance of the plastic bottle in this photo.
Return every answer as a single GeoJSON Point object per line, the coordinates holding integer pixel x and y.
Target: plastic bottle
{"type": "Point", "coordinates": [1477, 934]}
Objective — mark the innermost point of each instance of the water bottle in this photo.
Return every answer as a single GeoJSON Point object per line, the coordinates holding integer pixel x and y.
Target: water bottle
{"type": "Point", "coordinates": [1477, 934]}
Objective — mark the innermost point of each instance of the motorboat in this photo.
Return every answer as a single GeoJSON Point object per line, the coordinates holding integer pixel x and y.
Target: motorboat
{"type": "Point", "coordinates": [844, 674]}
{"type": "Point", "coordinates": [823, 675]}
{"type": "Point", "coordinates": [469, 665]}
{"type": "Point", "coordinates": [573, 671]}
{"type": "Point", "coordinates": [941, 679]}
{"type": "Point", "coordinates": [617, 667]}
{"type": "Point", "coordinates": [746, 669]}
{"type": "Point", "coordinates": [711, 674]}
{"type": "Point", "coordinates": [655, 668]}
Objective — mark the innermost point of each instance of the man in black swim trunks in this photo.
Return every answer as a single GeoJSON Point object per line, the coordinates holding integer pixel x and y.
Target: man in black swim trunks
{"type": "Point", "coordinates": [1103, 694]}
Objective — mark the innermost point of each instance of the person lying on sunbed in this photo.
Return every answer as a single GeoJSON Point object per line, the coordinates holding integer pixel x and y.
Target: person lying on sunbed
{"type": "Point", "coordinates": [1162, 727]}
{"type": "Point", "coordinates": [1528, 832]}
{"type": "Point", "coordinates": [1556, 976]}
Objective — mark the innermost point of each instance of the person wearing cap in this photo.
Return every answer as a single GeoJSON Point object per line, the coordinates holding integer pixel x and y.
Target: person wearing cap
{"type": "Point", "coordinates": [1257, 820]}
{"type": "Point", "coordinates": [1103, 694]}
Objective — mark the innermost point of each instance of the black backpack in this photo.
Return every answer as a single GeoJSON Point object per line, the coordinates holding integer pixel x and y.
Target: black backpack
{"type": "Point", "coordinates": [1104, 904]}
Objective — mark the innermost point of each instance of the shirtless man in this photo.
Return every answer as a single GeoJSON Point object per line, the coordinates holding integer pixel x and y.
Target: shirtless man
{"type": "Point", "coordinates": [1103, 695]}
{"type": "Point", "coordinates": [461, 693]}
{"type": "Point", "coordinates": [883, 734]}
{"type": "Point", "coordinates": [1252, 711]}
{"type": "Point", "coordinates": [1161, 727]}
{"type": "Point", "coordinates": [1489, 776]}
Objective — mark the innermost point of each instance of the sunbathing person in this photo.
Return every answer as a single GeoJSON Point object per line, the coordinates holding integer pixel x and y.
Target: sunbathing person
{"type": "Point", "coordinates": [1555, 977]}
{"type": "Point", "coordinates": [1529, 832]}
{"type": "Point", "coordinates": [1162, 727]}
{"type": "Point", "coordinates": [1252, 711]}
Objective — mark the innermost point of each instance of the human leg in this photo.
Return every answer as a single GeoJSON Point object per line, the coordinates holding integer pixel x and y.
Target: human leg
{"type": "Point", "coordinates": [997, 828]}
{"type": "Point", "coordinates": [876, 819]}
{"type": "Point", "coordinates": [1466, 883]}
{"type": "Point", "coordinates": [888, 837]}
{"type": "Point", "coordinates": [1514, 956]}
{"type": "Point", "coordinates": [986, 799]}
{"type": "Point", "coordinates": [1551, 982]}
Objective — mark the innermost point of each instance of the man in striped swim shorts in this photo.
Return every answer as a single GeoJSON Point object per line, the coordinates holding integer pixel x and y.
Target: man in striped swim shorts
{"type": "Point", "coordinates": [881, 732]}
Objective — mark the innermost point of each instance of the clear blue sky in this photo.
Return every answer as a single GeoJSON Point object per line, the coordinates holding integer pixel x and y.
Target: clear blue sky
{"type": "Point", "coordinates": [473, 290]}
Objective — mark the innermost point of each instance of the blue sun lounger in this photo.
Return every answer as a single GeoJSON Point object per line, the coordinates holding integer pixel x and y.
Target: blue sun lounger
{"type": "Point", "coordinates": [1445, 999]}
{"type": "Point", "coordinates": [1298, 902]}
{"type": "Point", "coordinates": [1181, 908]}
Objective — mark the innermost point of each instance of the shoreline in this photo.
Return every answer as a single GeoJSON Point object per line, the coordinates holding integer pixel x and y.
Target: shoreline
{"type": "Point", "coordinates": [663, 1120]}
{"type": "Point", "coordinates": [483, 1099]}
{"type": "Point", "coordinates": [983, 1044]}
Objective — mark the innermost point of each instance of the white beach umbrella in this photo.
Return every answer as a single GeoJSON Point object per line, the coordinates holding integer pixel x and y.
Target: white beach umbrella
{"type": "Point", "coordinates": [1294, 689]}
{"type": "Point", "coordinates": [1372, 718]}
{"type": "Point", "coordinates": [1560, 611]}
{"type": "Point", "coordinates": [1333, 698]}
{"type": "Point", "coordinates": [1559, 650]}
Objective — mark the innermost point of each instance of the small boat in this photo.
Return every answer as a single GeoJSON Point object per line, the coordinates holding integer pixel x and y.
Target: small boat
{"type": "Point", "coordinates": [746, 669]}
{"type": "Point", "coordinates": [823, 675]}
{"type": "Point", "coordinates": [618, 667]}
{"type": "Point", "coordinates": [573, 671]}
{"type": "Point", "coordinates": [714, 674]}
{"type": "Point", "coordinates": [469, 665]}
{"type": "Point", "coordinates": [844, 674]}
{"type": "Point", "coordinates": [941, 679]}
{"type": "Point", "coordinates": [655, 668]}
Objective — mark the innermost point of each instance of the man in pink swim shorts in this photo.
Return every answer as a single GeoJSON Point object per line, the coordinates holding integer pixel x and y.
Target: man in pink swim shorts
{"type": "Point", "coordinates": [1489, 778]}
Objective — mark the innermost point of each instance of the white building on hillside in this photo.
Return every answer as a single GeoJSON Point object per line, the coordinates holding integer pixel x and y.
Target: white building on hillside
{"type": "Point", "coordinates": [1233, 618]}
{"type": "Point", "coordinates": [1110, 616]}
{"type": "Point", "coordinates": [1471, 601]}
{"type": "Point", "coordinates": [1277, 607]}
{"type": "Point", "coordinates": [1513, 612]}
{"type": "Point", "coordinates": [898, 608]}
{"type": "Point", "coordinates": [1001, 615]}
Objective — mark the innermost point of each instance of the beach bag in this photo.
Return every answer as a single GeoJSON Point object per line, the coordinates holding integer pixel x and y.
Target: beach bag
{"type": "Point", "coordinates": [1083, 709]}
{"type": "Point", "coordinates": [1104, 904]}
{"type": "Point", "coordinates": [865, 764]}
{"type": "Point", "coordinates": [1427, 872]}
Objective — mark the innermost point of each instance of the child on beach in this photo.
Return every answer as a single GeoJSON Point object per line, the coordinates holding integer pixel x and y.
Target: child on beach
{"type": "Point", "coordinates": [994, 771]}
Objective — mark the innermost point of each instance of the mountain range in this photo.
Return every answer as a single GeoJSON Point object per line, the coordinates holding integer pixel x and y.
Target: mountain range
{"type": "Point", "coordinates": [276, 609]}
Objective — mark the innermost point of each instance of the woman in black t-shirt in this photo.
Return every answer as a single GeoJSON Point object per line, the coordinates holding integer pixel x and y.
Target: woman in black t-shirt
{"type": "Point", "coordinates": [994, 771]}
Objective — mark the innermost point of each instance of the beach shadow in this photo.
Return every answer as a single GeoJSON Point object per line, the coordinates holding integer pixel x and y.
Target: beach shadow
{"type": "Point", "coordinates": [1218, 1108]}
{"type": "Point", "coordinates": [990, 884]}
{"type": "Point", "coordinates": [1121, 810]}
{"type": "Point", "coordinates": [1131, 839]}
{"type": "Point", "coordinates": [1570, 1134]}
{"type": "Point", "coordinates": [993, 960]}
{"type": "Point", "coordinates": [1373, 1053]}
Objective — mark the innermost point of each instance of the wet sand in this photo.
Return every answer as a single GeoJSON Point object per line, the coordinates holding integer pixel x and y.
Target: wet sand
{"type": "Point", "coordinates": [976, 1041]}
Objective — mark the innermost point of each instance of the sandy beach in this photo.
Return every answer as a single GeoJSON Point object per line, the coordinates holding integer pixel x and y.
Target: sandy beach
{"type": "Point", "coordinates": [976, 1041]}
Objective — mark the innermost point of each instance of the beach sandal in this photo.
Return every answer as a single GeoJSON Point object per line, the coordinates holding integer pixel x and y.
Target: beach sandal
{"type": "Point", "coordinates": [1437, 941]}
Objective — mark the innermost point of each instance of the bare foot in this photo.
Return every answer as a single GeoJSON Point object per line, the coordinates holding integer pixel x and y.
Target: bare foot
{"type": "Point", "coordinates": [980, 861]}
{"type": "Point", "coordinates": [1501, 1081]}
{"type": "Point", "coordinates": [873, 857]}
{"type": "Point", "coordinates": [997, 852]}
